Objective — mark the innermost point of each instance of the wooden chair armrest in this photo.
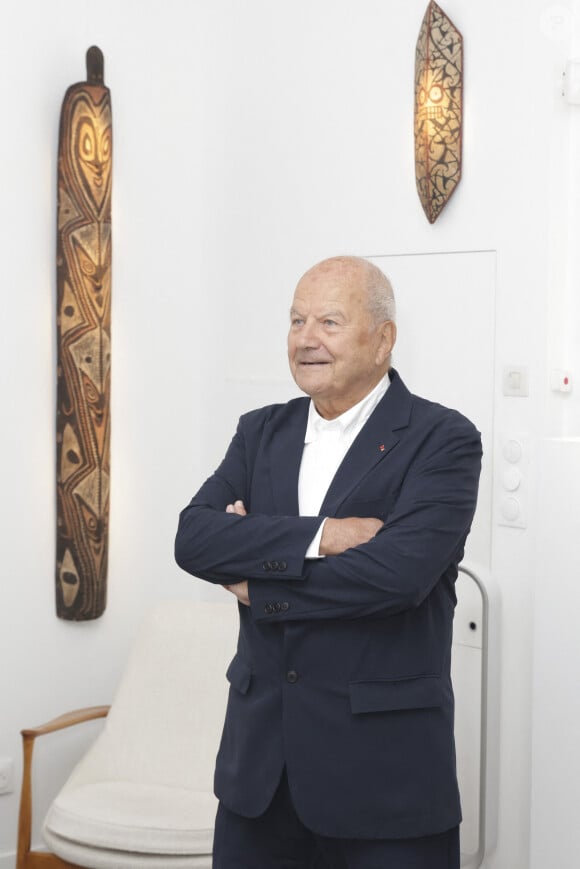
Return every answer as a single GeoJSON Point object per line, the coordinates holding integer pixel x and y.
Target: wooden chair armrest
{"type": "Point", "coordinates": [26, 858]}
{"type": "Point", "coordinates": [78, 716]}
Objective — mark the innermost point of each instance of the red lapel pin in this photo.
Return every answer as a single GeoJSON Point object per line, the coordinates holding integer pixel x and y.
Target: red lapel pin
{"type": "Point", "coordinates": [382, 447]}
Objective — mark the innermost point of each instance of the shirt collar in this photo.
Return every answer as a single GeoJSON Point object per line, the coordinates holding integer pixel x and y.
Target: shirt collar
{"type": "Point", "coordinates": [352, 420]}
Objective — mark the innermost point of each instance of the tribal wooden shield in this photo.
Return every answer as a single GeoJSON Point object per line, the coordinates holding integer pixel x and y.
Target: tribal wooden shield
{"type": "Point", "coordinates": [84, 345]}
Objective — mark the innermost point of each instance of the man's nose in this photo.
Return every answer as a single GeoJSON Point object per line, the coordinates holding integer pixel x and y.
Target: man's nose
{"type": "Point", "coordinates": [309, 335]}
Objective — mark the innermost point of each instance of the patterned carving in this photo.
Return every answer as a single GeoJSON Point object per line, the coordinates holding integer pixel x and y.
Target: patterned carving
{"type": "Point", "coordinates": [84, 345]}
{"type": "Point", "coordinates": [438, 110]}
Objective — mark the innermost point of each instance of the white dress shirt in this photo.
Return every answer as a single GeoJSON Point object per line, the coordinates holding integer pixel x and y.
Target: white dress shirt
{"type": "Point", "coordinates": [325, 445]}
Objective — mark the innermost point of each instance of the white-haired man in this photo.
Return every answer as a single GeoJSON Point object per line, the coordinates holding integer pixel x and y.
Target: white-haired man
{"type": "Point", "coordinates": [338, 522]}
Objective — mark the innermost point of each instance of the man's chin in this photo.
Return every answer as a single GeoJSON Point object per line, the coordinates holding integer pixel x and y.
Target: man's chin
{"type": "Point", "coordinates": [311, 381]}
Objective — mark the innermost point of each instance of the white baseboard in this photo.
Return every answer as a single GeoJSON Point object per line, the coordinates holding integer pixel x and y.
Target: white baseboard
{"type": "Point", "coordinates": [8, 860]}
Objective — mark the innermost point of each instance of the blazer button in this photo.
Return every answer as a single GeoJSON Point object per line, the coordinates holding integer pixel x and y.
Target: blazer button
{"type": "Point", "coordinates": [274, 565]}
{"type": "Point", "coordinates": [282, 565]}
{"type": "Point", "coordinates": [278, 607]}
{"type": "Point", "coordinates": [268, 609]}
{"type": "Point", "coordinates": [285, 606]}
{"type": "Point", "coordinates": [292, 676]}
{"type": "Point", "coordinates": [267, 565]}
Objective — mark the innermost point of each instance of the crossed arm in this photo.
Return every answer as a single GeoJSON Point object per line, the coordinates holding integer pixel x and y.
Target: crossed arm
{"type": "Point", "coordinates": [338, 535]}
{"type": "Point", "coordinates": [372, 566]}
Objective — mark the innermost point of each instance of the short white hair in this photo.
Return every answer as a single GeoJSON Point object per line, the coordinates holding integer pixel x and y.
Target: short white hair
{"type": "Point", "coordinates": [381, 297]}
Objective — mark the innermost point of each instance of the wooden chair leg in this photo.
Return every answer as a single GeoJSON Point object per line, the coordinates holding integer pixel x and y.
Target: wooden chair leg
{"type": "Point", "coordinates": [25, 858]}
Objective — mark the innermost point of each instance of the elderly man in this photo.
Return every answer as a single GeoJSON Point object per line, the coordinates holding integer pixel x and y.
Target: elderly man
{"type": "Point", "coordinates": [338, 523]}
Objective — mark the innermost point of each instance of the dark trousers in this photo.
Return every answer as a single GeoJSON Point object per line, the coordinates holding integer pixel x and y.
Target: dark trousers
{"type": "Point", "coordinates": [279, 840]}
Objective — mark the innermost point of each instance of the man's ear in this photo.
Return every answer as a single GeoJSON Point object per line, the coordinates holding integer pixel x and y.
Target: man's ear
{"type": "Point", "coordinates": [388, 332]}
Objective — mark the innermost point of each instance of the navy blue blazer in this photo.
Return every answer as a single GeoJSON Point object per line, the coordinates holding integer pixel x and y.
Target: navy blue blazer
{"type": "Point", "coordinates": [342, 671]}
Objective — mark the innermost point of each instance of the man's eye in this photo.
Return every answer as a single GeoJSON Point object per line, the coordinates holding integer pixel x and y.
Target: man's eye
{"type": "Point", "coordinates": [296, 321]}
{"type": "Point", "coordinates": [330, 323]}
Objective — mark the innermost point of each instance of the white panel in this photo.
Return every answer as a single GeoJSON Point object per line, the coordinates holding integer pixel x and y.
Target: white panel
{"type": "Point", "coordinates": [445, 348]}
{"type": "Point", "coordinates": [475, 673]}
{"type": "Point", "coordinates": [555, 838]}
{"type": "Point", "coordinates": [466, 672]}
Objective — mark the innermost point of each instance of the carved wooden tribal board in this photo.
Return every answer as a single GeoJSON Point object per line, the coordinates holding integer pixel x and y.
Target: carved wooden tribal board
{"type": "Point", "coordinates": [438, 110]}
{"type": "Point", "coordinates": [84, 345]}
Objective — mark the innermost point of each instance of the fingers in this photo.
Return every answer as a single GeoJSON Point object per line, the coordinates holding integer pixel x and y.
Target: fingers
{"type": "Point", "coordinates": [239, 590]}
{"type": "Point", "coordinates": [237, 507]}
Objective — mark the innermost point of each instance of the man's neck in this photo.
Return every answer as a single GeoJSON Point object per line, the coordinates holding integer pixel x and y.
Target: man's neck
{"type": "Point", "coordinates": [331, 410]}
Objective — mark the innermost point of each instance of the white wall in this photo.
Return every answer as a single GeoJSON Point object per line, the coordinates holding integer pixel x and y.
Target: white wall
{"type": "Point", "coordinates": [252, 139]}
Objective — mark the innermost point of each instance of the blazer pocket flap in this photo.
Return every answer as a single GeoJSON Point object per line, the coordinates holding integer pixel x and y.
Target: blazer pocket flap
{"type": "Point", "coordinates": [390, 695]}
{"type": "Point", "coordinates": [239, 674]}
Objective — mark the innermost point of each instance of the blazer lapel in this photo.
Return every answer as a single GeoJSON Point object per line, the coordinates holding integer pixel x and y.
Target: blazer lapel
{"type": "Point", "coordinates": [285, 454]}
{"type": "Point", "coordinates": [377, 438]}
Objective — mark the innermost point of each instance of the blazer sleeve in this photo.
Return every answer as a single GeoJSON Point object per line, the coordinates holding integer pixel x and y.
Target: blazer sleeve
{"type": "Point", "coordinates": [421, 541]}
{"type": "Point", "coordinates": [226, 548]}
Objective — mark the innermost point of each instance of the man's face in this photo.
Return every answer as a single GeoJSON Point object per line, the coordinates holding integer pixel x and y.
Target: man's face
{"type": "Point", "coordinates": [336, 354]}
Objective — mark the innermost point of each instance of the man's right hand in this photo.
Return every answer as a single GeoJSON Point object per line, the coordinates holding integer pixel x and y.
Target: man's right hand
{"type": "Point", "coordinates": [341, 534]}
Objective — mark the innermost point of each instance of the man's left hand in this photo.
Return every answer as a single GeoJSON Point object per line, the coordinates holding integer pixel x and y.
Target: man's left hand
{"type": "Point", "coordinates": [240, 590]}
